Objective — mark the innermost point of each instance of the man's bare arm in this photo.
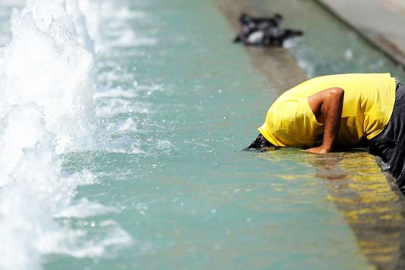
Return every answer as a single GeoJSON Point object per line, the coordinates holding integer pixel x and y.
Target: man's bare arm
{"type": "Point", "coordinates": [327, 107]}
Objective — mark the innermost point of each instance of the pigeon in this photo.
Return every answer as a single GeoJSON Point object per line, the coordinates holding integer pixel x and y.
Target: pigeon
{"type": "Point", "coordinates": [260, 31]}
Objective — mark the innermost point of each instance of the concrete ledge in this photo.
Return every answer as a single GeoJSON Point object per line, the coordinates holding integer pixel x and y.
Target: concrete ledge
{"type": "Point", "coordinates": [381, 22]}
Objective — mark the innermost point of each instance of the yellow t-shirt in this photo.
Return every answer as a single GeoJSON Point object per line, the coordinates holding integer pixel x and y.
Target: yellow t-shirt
{"type": "Point", "coordinates": [367, 107]}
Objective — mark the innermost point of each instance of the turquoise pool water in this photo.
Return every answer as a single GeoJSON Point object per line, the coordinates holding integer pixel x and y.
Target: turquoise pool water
{"type": "Point", "coordinates": [164, 183]}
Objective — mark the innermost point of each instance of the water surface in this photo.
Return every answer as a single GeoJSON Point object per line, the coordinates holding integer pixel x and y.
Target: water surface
{"type": "Point", "coordinates": [166, 183]}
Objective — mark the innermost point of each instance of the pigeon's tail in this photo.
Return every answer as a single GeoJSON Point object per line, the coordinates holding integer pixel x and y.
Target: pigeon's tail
{"type": "Point", "coordinates": [292, 33]}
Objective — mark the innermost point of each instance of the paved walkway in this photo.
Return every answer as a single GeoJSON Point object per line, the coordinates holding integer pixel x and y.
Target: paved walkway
{"type": "Point", "coordinates": [382, 22]}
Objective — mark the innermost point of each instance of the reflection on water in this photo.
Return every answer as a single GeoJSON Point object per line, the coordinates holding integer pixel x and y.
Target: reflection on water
{"type": "Point", "coordinates": [367, 198]}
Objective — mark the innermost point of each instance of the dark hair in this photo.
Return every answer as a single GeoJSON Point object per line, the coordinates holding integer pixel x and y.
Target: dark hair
{"type": "Point", "coordinates": [259, 142]}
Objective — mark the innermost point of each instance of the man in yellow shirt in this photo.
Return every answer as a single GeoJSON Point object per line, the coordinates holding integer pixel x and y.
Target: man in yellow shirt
{"type": "Point", "coordinates": [341, 111]}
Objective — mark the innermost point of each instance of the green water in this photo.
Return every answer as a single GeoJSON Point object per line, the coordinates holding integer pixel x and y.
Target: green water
{"type": "Point", "coordinates": [194, 200]}
{"type": "Point", "coordinates": [188, 195]}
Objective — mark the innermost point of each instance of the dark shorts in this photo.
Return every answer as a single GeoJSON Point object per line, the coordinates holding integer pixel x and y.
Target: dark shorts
{"type": "Point", "coordinates": [390, 143]}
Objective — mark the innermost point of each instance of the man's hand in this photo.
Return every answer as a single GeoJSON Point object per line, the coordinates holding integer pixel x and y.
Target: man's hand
{"type": "Point", "coordinates": [318, 150]}
{"type": "Point", "coordinates": [327, 107]}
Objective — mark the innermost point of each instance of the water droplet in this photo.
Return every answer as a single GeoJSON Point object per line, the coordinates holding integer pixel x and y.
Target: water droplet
{"type": "Point", "coordinates": [348, 54]}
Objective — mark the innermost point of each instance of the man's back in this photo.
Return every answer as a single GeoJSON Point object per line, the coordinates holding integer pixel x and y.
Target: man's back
{"type": "Point", "coordinates": [368, 104]}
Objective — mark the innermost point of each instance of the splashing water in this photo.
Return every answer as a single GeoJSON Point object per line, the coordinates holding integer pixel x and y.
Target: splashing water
{"type": "Point", "coordinates": [46, 109]}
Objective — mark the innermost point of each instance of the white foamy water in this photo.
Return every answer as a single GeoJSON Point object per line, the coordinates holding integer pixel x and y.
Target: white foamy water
{"type": "Point", "coordinates": [99, 11]}
{"type": "Point", "coordinates": [47, 109]}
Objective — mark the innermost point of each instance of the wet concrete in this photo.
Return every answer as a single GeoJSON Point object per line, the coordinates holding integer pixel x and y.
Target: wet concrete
{"type": "Point", "coordinates": [372, 206]}
{"type": "Point", "coordinates": [380, 22]}
{"type": "Point", "coordinates": [368, 198]}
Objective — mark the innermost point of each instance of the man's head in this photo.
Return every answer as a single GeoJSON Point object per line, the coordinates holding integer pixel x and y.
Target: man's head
{"type": "Point", "coordinates": [259, 142]}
